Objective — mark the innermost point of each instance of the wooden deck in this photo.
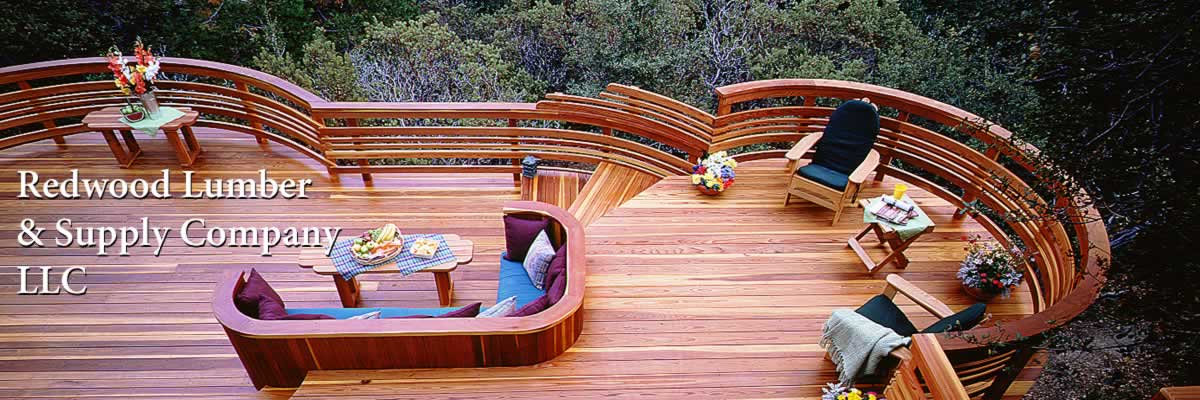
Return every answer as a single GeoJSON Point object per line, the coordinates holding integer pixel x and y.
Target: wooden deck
{"type": "Point", "coordinates": [688, 295]}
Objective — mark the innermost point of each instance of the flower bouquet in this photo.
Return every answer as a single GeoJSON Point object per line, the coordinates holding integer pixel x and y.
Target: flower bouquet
{"type": "Point", "coordinates": [989, 270]}
{"type": "Point", "coordinates": [138, 78]}
{"type": "Point", "coordinates": [836, 391]}
{"type": "Point", "coordinates": [714, 173]}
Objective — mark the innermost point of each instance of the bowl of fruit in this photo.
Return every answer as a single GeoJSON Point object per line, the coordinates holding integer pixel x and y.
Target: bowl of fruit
{"type": "Point", "coordinates": [378, 245]}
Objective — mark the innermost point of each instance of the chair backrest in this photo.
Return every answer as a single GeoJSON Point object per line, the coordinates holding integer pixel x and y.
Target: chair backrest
{"type": "Point", "coordinates": [848, 137]}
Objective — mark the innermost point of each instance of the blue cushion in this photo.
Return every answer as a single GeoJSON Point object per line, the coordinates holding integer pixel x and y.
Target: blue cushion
{"type": "Point", "coordinates": [824, 176]}
{"type": "Point", "coordinates": [385, 312]}
{"type": "Point", "coordinates": [884, 311]}
{"type": "Point", "coordinates": [514, 281]}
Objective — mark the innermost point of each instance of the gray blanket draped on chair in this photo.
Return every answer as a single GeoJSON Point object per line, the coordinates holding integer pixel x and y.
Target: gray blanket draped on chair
{"type": "Point", "coordinates": [856, 344]}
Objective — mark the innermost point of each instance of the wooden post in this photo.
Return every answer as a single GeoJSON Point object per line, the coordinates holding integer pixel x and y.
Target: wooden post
{"type": "Point", "coordinates": [45, 124]}
{"type": "Point", "coordinates": [994, 154]}
{"type": "Point", "coordinates": [241, 87]}
{"type": "Point", "coordinates": [516, 162]}
{"type": "Point", "coordinates": [362, 162]}
{"type": "Point", "coordinates": [887, 159]}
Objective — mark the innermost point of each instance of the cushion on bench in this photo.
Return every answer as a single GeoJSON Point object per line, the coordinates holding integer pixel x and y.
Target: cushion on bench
{"type": "Point", "coordinates": [514, 281]}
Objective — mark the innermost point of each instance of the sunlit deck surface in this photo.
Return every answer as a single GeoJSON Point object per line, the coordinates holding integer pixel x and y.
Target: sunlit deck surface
{"type": "Point", "coordinates": [687, 295]}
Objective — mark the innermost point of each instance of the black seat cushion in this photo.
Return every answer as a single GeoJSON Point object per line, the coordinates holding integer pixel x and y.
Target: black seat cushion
{"type": "Point", "coordinates": [848, 137]}
{"type": "Point", "coordinates": [884, 311]}
{"type": "Point", "coordinates": [960, 321]}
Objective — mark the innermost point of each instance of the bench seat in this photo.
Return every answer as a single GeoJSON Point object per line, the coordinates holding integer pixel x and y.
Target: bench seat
{"type": "Point", "coordinates": [514, 281]}
{"type": "Point", "coordinates": [386, 312]}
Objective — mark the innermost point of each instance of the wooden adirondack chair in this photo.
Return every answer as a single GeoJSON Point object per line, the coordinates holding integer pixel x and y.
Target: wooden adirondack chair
{"type": "Point", "coordinates": [842, 160]}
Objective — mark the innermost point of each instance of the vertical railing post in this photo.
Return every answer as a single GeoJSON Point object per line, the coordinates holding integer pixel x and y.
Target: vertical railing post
{"type": "Point", "coordinates": [331, 169]}
{"type": "Point", "coordinates": [45, 124]}
{"type": "Point", "coordinates": [251, 110]}
{"type": "Point", "coordinates": [886, 159]}
{"type": "Point", "coordinates": [516, 162]}
{"type": "Point", "coordinates": [992, 153]}
{"type": "Point", "coordinates": [363, 163]}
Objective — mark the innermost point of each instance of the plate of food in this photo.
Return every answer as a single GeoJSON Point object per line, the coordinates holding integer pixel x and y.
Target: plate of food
{"type": "Point", "coordinates": [424, 248]}
{"type": "Point", "coordinates": [378, 245]}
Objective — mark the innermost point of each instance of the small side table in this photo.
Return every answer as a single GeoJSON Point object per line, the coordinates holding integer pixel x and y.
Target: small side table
{"type": "Point", "coordinates": [885, 234]}
{"type": "Point", "coordinates": [108, 122]}
{"type": "Point", "coordinates": [349, 291]}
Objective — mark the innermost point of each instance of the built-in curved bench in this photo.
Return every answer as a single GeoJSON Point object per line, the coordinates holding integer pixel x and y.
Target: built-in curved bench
{"type": "Point", "coordinates": [280, 353]}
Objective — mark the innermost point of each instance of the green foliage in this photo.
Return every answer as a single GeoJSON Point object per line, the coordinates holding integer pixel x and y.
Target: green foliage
{"type": "Point", "coordinates": [422, 60]}
{"type": "Point", "coordinates": [320, 68]}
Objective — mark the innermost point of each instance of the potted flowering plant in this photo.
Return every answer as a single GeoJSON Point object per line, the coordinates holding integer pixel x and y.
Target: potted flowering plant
{"type": "Point", "coordinates": [989, 270]}
{"type": "Point", "coordinates": [837, 391]}
{"type": "Point", "coordinates": [714, 173]}
{"type": "Point", "coordinates": [138, 78]}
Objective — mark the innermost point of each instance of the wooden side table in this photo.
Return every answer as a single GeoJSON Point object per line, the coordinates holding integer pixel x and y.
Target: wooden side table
{"type": "Point", "coordinates": [885, 234]}
{"type": "Point", "coordinates": [348, 290]}
{"type": "Point", "coordinates": [108, 122]}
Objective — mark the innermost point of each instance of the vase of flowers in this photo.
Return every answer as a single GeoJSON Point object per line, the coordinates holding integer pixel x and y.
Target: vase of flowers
{"type": "Point", "coordinates": [989, 270]}
{"type": "Point", "coordinates": [714, 173]}
{"type": "Point", "coordinates": [136, 79]}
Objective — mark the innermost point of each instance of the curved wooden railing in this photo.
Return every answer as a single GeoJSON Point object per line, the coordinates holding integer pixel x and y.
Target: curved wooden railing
{"type": "Point", "coordinates": [641, 130]}
{"type": "Point", "coordinates": [1064, 276]}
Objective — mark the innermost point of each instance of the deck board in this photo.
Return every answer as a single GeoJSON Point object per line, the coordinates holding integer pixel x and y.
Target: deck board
{"type": "Point", "coordinates": [688, 295]}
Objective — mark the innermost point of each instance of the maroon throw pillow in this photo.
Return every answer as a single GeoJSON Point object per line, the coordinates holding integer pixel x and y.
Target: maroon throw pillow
{"type": "Point", "coordinates": [411, 316]}
{"type": "Point", "coordinates": [255, 289]}
{"type": "Point", "coordinates": [534, 307]}
{"type": "Point", "coordinates": [470, 311]}
{"type": "Point", "coordinates": [558, 266]}
{"type": "Point", "coordinates": [269, 309]}
{"type": "Point", "coordinates": [306, 316]}
{"type": "Point", "coordinates": [519, 234]}
{"type": "Point", "coordinates": [557, 289]}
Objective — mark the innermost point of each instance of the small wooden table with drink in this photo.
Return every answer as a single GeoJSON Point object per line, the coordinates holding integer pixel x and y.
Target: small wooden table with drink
{"type": "Point", "coordinates": [898, 237]}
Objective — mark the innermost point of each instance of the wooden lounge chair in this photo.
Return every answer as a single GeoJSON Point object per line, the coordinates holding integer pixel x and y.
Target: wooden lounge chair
{"type": "Point", "coordinates": [884, 311]}
{"type": "Point", "coordinates": [842, 160]}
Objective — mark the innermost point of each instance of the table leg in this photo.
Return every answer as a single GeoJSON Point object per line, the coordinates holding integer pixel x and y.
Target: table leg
{"type": "Point", "coordinates": [124, 158]}
{"type": "Point", "coordinates": [185, 156]}
{"type": "Point", "coordinates": [348, 291]}
{"type": "Point", "coordinates": [445, 288]}
{"type": "Point", "coordinates": [190, 138]}
{"type": "Point", "coordinates": [897, 253]}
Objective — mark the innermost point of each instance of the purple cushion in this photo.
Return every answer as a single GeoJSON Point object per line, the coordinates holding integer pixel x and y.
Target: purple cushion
{"type": "Point", "coordinates": [413, 316]}
{"type": "Point", "coordinates": [306, 316]}
{"type": "Point", "coordinates": [533, 307]}
{"type": "Point", "coordinates": [255, 289]}
{"type": "Point", "coordinates": [557, 289]}
{"type": "Point", "coordinates": [269, 309]}
{"type": "Point", "coordinates": [558, 266]}
{"type": "Point", "coordinates": [470, 311]}
{"type": "Point", "coordinates": [519, 234]}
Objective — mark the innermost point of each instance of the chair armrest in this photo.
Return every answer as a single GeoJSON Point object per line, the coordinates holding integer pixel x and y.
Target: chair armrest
{"type": "Point", "coordinates": [803, 146]}
{"type": "Point", "coordinates": [896, 284]}
{"type": "Point", "coordinates": [866, 167]}
{"type": "Point", "coordinates": [901, 353]}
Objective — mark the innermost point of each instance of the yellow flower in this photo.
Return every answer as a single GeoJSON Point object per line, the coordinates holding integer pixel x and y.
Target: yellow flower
{"type": "Point", "coordinates": [695, 179]}
{"type": "Point", "coordinates": [841, 397]}
{"type": "Point", "coordinates": [125, 90]}
{"type": "Point", "coordinates": [871, 396]}
{"type": "Point", "coordinates": [854, 395]}
{"type": "Point", "coordinates": [141, 69]}
{"type": "Point", "coordinates": [732, 163]}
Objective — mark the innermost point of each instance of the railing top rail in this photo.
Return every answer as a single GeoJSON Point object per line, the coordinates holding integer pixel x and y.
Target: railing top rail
{"type": "Point", "coordinates": [46, 69]}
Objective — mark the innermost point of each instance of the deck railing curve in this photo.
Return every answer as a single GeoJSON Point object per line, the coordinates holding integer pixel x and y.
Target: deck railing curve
{"type": "Point", "coordinates": [1067, 271]}
{"type": "Point", "coordinates": [635, 128]}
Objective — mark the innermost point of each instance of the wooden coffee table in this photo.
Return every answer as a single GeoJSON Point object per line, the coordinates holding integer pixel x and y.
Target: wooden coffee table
{"type": "Point", "coordinates": [108, 121]}
{"type": "Point", "coordinates": [348, 290]}
{"type": "Point", "coordinates": [885, 234]}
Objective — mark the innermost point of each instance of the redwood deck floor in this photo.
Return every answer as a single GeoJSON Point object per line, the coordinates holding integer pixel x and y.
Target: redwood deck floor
{"type": "Point", "coordinates": [688, 296]}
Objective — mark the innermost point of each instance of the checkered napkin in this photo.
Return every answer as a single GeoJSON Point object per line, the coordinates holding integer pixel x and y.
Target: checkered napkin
{"type": "Point", "coordinates": [344, 262]}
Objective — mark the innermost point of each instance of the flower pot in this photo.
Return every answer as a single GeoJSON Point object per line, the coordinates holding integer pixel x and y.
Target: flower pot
{"type": "Point", "coordinates": [707, 191]}
{"type": "Point", "coordinates": [980, 294]}
{"type": "Point", "coordinates": [149, 102]}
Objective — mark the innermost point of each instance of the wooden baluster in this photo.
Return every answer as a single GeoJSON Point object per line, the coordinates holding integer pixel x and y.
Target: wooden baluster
{"type": "Point", "coordinates": [810, 101]}
{"type": "Point", "coordinates": [45, 124]}
{"type": "Point", "coordinates": [886, 160]}
{"type": "Point", "coordinates": [250, 109]}
{"type": "Point", "coordinates": [362, 162]}
{"type": "Point", "coordinates": [994, 154]}
{"type": "Point", "coordinates": [516, 162]}
{"type": "Point", "coordinates": [331, 168]}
